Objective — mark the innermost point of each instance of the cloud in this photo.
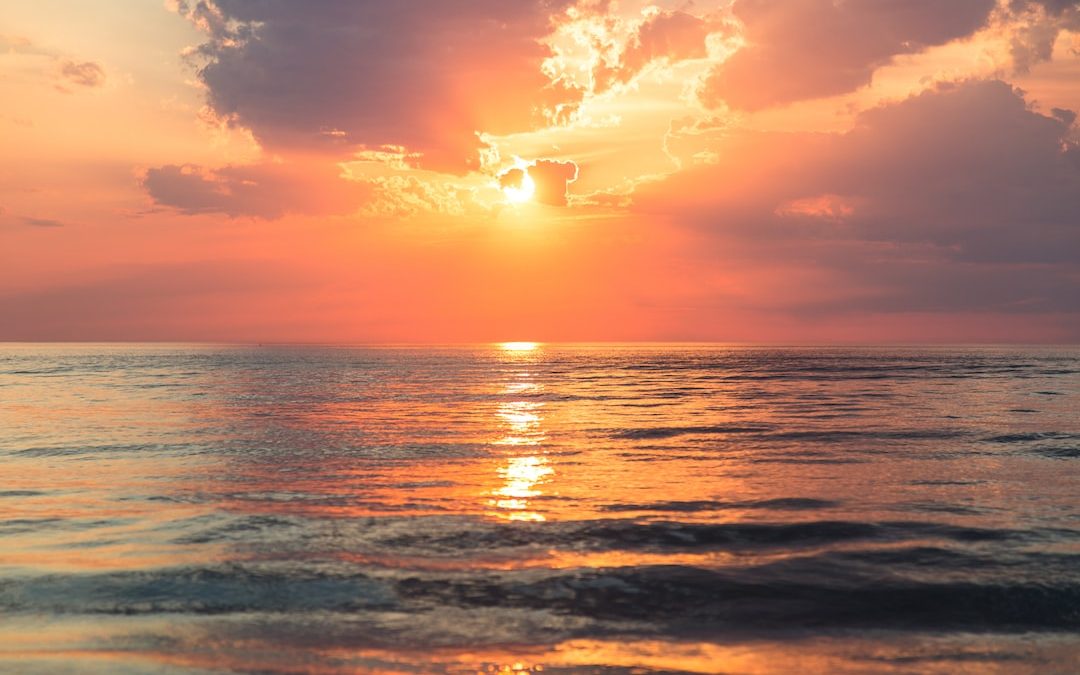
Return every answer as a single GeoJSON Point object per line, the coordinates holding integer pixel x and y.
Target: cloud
{"type": "Point", "coordinates": [1066, 116]}
{"type": "Point", "coordinates": [664, 36]}
{"type": "Point", "coordinates": [551, 178]}
{"type": "Point", "coordinates": [85, 74]}
{"type": "Point", "coordinates": [512, 178]}
{"type": "Point", "coordinates": [428, 77]}
{"type": "Point", "coordinates": [81, 73]}
{"type": "Point", "coordinates": [803, 49]}
{"type": "Point", "coordinates": [16, 44]}
{"type": "Point", "coordinates": [40, 222]}
{"type": "Point", "coordinates": [1035, 27]}
{"type": "Point", "coordinates": [266, 190]}
{"type": "Point", "coordinates": [402, 196]}
{"type": "Point", "coordinates": [960, 199]}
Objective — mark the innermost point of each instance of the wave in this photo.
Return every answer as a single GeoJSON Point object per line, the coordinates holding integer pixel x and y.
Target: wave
{"type": "Point", "coordinates": [698, 600]}
{"type": "Point", "coordinates": [1033, 436]}
{"type": "Point", "coordinates": [672, 432]}
{"type": "Point", "coordinates": [442, 536]}
{"type": "Point", "coordinates": [851, 589]}
{"type": "Point", "coordinates": [696, 506]}
{"type": "Point", "coordinates": [770, 433]}
{"type": "Point", "coordinates": [1042, 443]}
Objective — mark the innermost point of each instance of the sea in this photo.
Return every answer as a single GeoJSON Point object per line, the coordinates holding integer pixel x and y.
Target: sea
{"type": "Point", "coordinates": [525, 508]}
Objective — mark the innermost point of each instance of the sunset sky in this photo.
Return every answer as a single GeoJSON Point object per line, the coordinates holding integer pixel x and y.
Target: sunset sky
{"type": "Point", "coordinates": [555, 170]}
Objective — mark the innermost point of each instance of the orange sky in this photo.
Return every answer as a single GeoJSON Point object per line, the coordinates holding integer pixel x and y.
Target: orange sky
{"type": "Point", "coordinates": [746, 170]}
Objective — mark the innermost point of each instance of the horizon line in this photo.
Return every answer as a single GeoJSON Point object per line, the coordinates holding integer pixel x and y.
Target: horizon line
{"type": "Point", "coordinates": [540, 343]}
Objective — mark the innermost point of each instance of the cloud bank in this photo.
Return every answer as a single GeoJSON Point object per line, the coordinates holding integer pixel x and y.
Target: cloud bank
{"type": "Point", "coordinates": [802, 49]}
{"type": "Point", "coordinates": [428, 77]}
{"type": "Point", "coordinates": [961, 198]}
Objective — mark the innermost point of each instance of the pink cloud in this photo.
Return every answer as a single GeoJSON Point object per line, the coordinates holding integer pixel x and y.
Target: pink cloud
{"type": "Point", "coordinates": [804, 49]}
{"type": "Point", "coordinates": [662, 37]}
{"type": "Point", "coordinates": [85, 74]}
{"type": "Point", "coordinates": [961, 199]}
{"type": "Point", "coordinates": [266, 190]}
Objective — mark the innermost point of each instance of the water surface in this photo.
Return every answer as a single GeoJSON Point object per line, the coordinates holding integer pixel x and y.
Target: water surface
{"type": "Point", "coordinates": [177, 508]}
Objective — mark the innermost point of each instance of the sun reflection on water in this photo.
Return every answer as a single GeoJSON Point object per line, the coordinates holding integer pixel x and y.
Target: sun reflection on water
{"type": "Point", "coordinates": [520, 428]}
{"type": "Point", "coordinates": [521, 423]}
{"type": "Point", "coordinates": [522, 476]}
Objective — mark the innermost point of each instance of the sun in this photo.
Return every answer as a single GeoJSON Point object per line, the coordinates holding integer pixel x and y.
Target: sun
{"type": "Point", "coordinates": [523, 192]}
{"type": "Point", "coordinates": [518, 346]}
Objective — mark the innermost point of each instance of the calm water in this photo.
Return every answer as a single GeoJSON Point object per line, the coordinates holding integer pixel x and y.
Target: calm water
{"type": "Point", "coordinates": [566, 509]}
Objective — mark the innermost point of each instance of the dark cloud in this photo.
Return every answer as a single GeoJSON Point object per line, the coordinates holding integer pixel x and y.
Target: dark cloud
{"type": "Point", "coordinates": [1054, 7]}
{"type": "Point", "coordinates": [1065, 115]}
{"type": "Point", "coordinates": [40, 222]}
{"type": "Point", "coordinates": [1072, 154]}
{"type": "Point", "coordinates": [804, 49]}
{"type": "Point", "coordinates": [85, 74]}
{"type": "Point", "coordinates": [426, 76]}
{"type": "Point", "coordinates": [961, 198]}
{"type": "Point", "coordinates": [552, 178]}
{"type": "Point", "coordinates": [1036, 25]}
{"type": "Point", "coordinates": [261, 190]}
{"type": "Point", "coordinates": [512, 178]}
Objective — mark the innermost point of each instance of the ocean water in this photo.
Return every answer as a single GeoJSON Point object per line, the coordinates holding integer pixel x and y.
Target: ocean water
{"type": "Point", "coordinates": [527, 508]}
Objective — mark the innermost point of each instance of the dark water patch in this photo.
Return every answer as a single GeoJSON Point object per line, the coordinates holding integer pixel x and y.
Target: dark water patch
{"type": "Point", "coordinates": [1058, 452]}
{"type": "Point", "coordinates": [926, 557]}
{"type": "Point", "coordinates": [691, 600]}
{"type": "Point", "coordinates": [805, 460]}
{"type": "Point", "coordinates": [301, 497]}
{"type": "Point", "coordinates": [781, 504]}
{"type": "Point", "coordinates": [669, 536]}
{"type": "Point", "coordinates": [26, 525]}
{"type": "Point", "coordinates": [239, 527]}
{"type": "Point", "coordinates": [92, 450]}
{"type": "Point", "coordinates": [670, 457]}
{"type": "Point", "coordinates": [302, 502]}
{"type": "Point", "coordinates": [938, 563]}
{"type": "Point", "coordinates": [1032, 436]}
{"type": "Point", "coordinates": [19, 526]}
{"type": "Point", "coordinates": [942, 507]}
{"type": "Point", "coordinates": [424, 484]}
{"type": "Point", "coordinates": [199, 590]}
{"type": "Point", "coordinates": [675, 536]}
{"type": "Point", "coordinates": [839, 590]}
{"type": "Point", "coordinates": [881, 434]}
{"type": "Point", "coordinates": [20, 493]}
{"type": "Point", "coordinates": [59, 370]}
{"type": "Point", "coordinates": [951, 656]}
{"type": "Point", "coordinates": [768, 432]}
{"type": "Point", "coordinates": [671, 432]}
